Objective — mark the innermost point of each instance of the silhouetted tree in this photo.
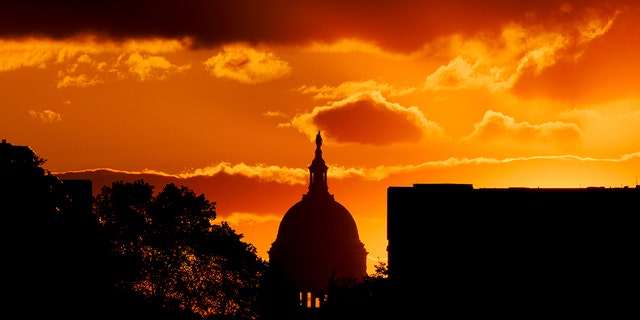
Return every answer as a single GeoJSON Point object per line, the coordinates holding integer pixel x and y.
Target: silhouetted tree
{"type": "Point", "coordinates": [275, 301]}
{"type": "Point", "coordinates": [350, 298]}
{"type": "Point", "coordinates": [170, 252]}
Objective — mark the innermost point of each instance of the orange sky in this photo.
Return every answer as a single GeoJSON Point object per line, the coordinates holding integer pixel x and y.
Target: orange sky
{"type": "Point", "coordinates": [492, 93]}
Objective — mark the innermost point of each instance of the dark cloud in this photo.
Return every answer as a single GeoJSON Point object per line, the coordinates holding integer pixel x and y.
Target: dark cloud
{"type": "Point", "coordinates": [206, 21]}
{"type": "Point", "coordinates": [368, 122]}
{"type": "Point", "coordinates": [401, 24]}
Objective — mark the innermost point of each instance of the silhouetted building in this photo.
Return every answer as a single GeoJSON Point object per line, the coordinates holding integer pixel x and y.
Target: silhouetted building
{"type": "Point", "coordinates": [27, 188]}
{"type": "Point", "coordinates": [50, 243]}
{"type": "Point", "coordinates": [18, 161]}
{"type": "Point", "coordinates": [513, 251]}
{"type": "Point", "coordinates": [317, 240]}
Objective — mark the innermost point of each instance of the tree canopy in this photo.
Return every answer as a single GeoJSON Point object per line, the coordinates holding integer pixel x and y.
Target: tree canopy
{"type": "Point", "coordinates": [169, 251]}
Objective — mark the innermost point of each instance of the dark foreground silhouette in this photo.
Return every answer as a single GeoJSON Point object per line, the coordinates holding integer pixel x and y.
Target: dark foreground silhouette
{"type": "Point", "coordinates": [128, 253]}
{"type": "Point", "coordinates": [514, 252]}
{"type": "Point", "coordinates": [133, 252]}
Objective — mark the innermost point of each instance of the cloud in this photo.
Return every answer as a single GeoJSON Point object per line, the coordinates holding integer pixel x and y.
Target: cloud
{"type": "Point", "coordinates": [247, 65]}
{"type": "Point", "coordinates": [152, 67]}
{"type": "Point", "coordinates": [77, 73]}
{"type": "Point", "coordinates": [497, 128]}
{"type": "Point", "coordinates": [277, 174]}
{"type": "Point", "coordinates": [368, 118]}
{"type": "Point", "coordinates": [299, 176]}
{"type": "Point", "coordinates": [383, 172]}
{"type": "Point", "coordinates": [270, 173]}
{"type": "Point", "coordinates": [274, 114]}
{"type": "Point", "coordinates": [497, 60]}
{"type": "Point", "coordinates": [46, 116]}
{"type": "Point", "coordinates": [244, 219]}
{"type": "Point", "coordinates": [81, 80]}
{"type": "Point", "coordinates": [31, 53]}
{"type": "Point", "coordinates": [604, 69]}
{"type": "Point", "coordinates": [462, 74]}
{"type": "Point", "coordinates": [85, 61]}
{"type": "Point", "coordinates": [211, 23]}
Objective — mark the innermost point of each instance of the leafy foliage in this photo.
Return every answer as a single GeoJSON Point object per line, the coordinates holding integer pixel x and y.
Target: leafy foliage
{"type": "Point", "coordinates": [170, 252]}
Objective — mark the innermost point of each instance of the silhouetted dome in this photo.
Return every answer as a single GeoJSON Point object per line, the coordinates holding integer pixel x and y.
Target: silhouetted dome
{"type": "Point", "coordinates": [317, 238]}
{"type": "Point", "coordinates": [322, 218]}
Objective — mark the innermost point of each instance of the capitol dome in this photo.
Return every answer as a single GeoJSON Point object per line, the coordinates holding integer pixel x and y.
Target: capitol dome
{"type": "Point", "coordinates": [317, 238]}
{"type": "Point", "coordinates": [312, 219]}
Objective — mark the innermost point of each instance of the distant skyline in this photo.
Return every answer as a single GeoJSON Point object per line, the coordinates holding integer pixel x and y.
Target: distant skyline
{"type": "Point", "coordinates": [228, 97]}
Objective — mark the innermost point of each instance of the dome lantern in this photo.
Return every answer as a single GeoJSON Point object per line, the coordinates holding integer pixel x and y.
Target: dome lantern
{"type": "Point", "coordinates": [318, 171]}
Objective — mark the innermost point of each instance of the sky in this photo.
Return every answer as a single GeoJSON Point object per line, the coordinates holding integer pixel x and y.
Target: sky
{"type": "Point", "coordinates": [226, 97]}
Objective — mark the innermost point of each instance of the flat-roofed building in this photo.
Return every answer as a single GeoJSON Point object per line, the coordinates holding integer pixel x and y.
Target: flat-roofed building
{"type": "Point", "coordinates": [512, 251]}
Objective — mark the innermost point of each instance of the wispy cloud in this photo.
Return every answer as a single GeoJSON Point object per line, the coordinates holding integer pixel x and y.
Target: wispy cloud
{"type": "Point", "coordinates": [296, 176]}
{"type": "Point", "coordinates": [46, 116]}
{"type": "Point", "coordinates": [497, 61]}
{"type": "Point", "coordinates": [244, 218]}
{"type": "Point", "coordinates": [247, 65]}
{"type": "Point", "coordinates": [152, 67]}
{"type": "Point", "coordinates": [86, 61]}
{"type": "Point", "coordinates": [80, 80]}
{"type": "Point", "coordinates": [263, 172]}
{"type": "Point", "coordinates": [383, 172]}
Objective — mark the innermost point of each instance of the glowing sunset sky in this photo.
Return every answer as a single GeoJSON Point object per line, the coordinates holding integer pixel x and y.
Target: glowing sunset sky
{"type": "Point", "coordinates": [226, 97]}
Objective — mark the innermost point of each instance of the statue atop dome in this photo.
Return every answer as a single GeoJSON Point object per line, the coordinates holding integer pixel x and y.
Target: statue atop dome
{"type": "Point", "coordinates": [318, 172]}
{"type": "Point", "coordinates": [318, 140]}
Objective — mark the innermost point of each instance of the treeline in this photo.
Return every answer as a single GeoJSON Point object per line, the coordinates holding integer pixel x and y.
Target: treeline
{"type": "Point", "coordinates": [131, 252]}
